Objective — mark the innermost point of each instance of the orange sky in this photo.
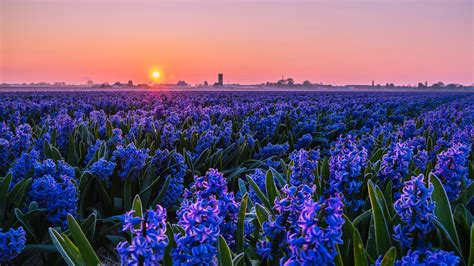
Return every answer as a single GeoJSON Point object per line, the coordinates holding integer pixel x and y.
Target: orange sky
{"type": "Point", "coordinates": [339, 42]}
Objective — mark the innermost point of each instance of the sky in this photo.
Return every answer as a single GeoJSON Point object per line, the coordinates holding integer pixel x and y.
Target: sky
{"type": "Point", "coordinates": [329, 41]}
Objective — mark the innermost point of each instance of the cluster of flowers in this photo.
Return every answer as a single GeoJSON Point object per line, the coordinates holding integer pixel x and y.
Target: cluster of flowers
{"type": "Point", "coordinates": [303, 230]}
{"type": "Point", "coordinates": [148, 237]}
{"type": "Point", "coordinates": [305, 164]}
{"type": "Point", "coordinates": [346, 164]}
{"type": "Point", "coordinates": [415, 208]}
{"type": "Point", "coordinates": [54, 185]}
{"type": "Point", "coordinates": [452, 169]}
{"type": "Point", "coordinates": [207, 211]}
{"type": "Point", "coordinates": [174, 164]}
{"type": "Point", "coordinates": [122, 136]}
{"type": "Point", "coordinates": [130, 160]}
{"type": "Point", "coordinates": [12, 243]}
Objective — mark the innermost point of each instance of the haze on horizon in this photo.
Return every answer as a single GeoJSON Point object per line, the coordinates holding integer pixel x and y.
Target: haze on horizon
{"type": "Point", "coordinates": [337, 42]}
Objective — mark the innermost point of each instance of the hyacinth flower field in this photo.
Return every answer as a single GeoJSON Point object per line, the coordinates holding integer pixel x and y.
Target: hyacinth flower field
{"type": "Point", "coordinates": [236, 178]}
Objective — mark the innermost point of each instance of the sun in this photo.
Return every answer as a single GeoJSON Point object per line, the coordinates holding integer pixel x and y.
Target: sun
{"type": "Point", "coordinates": [156, 74]}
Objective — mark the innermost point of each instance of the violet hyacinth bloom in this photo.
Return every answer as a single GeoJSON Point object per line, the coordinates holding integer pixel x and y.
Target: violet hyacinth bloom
{"type": "Point", "coordinates": [24, 166]}
{"type": "Point", "coordinates": [318, 235]}
{"type": "Point", "coordinates": [22, 139]}
{"type": "Point", "coordinates": [116, 138]}
{"type": "Point", "coordinates": [427, 257]}
{"type": "Point", "coordinates": [92, 151]}
{"type": "Point", "coordinates": [304, 167]}
{"type": "Point", "coordinates": [205, 141]}
{"type": "Point", "coordinates": [214, 185]}
{"type": "Point", "coordinates": [64, 126]}
{"type": "Point", "coordinates": [130, 160]}
{"type": "Point", "coordinates": [346, 164]}
{"type": "Point", "coordinates": [12, 243]}
{"type": "Point", "coordinates": [103, 169]}
{"type": "Point", "coordinates": [169, 136]}
{"type": "Point", "coordinates": [451, 168]}
{"type": "Point", "coordinates": [304, 141]}
{"type": "Point", "coordinates": [58, 195]}
{"type": "Point", "coordinates": [270, 150]}
{"type": "Point", "coordinates": [173, 165]}
{"type": "Point", "coordinates": [415, 208]}
{"type": "Point", "coordinates": [395, 165]}
{"type": "Point", "coordinates": [148, 240]}
{"type": "Point", "coordinates": [54, 188]}
{"type": "Point", "coordinates": [303, 230]}
{"type": "Point", "coordinates": [5, 153]}
{"type": "Point", "coordinates": [201, 223]}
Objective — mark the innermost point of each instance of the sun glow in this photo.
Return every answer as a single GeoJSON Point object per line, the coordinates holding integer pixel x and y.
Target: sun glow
{"type": "Point", "coordinates": [156, 74]}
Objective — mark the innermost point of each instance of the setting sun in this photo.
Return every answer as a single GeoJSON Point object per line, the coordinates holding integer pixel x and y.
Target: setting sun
{"type": "Point", "coordinates": [155, 74]}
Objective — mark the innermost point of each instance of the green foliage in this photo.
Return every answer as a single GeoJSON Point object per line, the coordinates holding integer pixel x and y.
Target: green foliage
{"type": "Point", "coordinates": [78, 253]}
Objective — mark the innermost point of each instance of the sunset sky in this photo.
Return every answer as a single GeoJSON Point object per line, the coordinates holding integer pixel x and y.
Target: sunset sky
{"type": "Point", "coordinates": [338, 42]}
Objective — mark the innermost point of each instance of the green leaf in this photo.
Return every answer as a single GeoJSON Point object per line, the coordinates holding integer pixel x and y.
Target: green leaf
{"type": "Point", "coordinates": [259, 193]}
{"type": "Point", "coordinates": [35, 248]}
{"type": "Point", "coordinates": [21, 218]}
{"type": "Point", "coordinates": [242, 187]}
{"type": "Point", "coordinates": [382, 234]}
{"type": "Point", "coordinates": [47, 149]}
{"type": "Point", "coordinates": [138, 209]}
{"type": "Point", "coordinates": [167, 259]}
{"type": "Point", "coordinates": [224, 255]}
{"type": "Point", "coordinates": [359, 252]}
{"type": "Point", "coordinates": [443, 209]}
{"type": "Point", "coordinates": [4, 186]}
{"type": "Point", "coordinates": [444, 235]}
{"type": "Point", "coordinates": [109, 128]}
{"type": "Point", "coordinates": [325, 169]}
{"type": "Point", "coordinates": [262, 214]}
{"type": "Point", "coordinates": [106, 202]}
{"type": "Point", "coordinates": [346, 250]}
{"type": "Point", "coordinates": [162, 193]}
{"type": "Point", "coordinates": [376, 155]}
{"type": "Point", "coordinates": [390, 257]}
{"type": "Point", "coordinates": [55, 154]}
{"type": "Point", "coordinates": [69, 253]}
{"type": "Point", "coordinates": [471, 249]}
{"type": "Point", "coordinates": [137, 206]}
{"type": "Point", "coordinates": [85, 248]}
{"type": "Point", "coordinates": [338, 260]}
{"type": "Point", "coordinates": [272, 191]}
{"type": "Point", "coordinates": [278, 176]}
{"type": "Point", "coordinates": [238, 259]}
{"type": "Point", "coordinates": [18, 193]}
{"type": "Point", "coordinates": [362, 217]}
{"type": "Point", "coordinates": [383, 203]}
{"type": "Point", "coordinates": [388, 196]}
{"type": "Point", "coordinates": [240, 237]}
{"type": "Point", "coordinates": [127, 193]}
{"type": "Point", "coordinates": [71, 151]}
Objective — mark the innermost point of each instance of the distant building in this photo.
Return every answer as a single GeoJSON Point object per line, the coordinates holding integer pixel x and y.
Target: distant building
{"type": "Point", "coordinates": [181, 83]}
{"type": "Point", "coordinates": [90, 82]}
{"type": "Point", "coordinates": [220, 80]}
{"type": "Point", "coordinates": [373, 83]}
{"type": "Point", "coordinates": [105, 85]}
{"type": "Point", "coordinates": [285, 82]}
